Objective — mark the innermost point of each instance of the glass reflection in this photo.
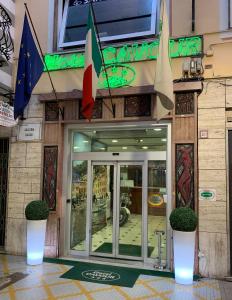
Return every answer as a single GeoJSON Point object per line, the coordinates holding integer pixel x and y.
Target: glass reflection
{"type": "Point", "coordinates": [102, 209]}
{"type": "Point", "coordinates": [130, 221]}
{"type": "Point", "coordinates": [157, 211]}
{"type": "Point", "coordinates": [78, 208]}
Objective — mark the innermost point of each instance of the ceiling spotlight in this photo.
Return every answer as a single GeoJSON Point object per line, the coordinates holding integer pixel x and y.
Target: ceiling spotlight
{"type": "Point", "coordinates": [144, 147]}
{"type": "Point", "coordinates": [114, 141]}
{"type": "Point", "coordinates": [157, 129]}
{"type": "Point", "coordinates": [164, 140]}
{"type": "Point", "coordinates": [124, 148]}
{"type": "Point", "coordinates": [140, 141]}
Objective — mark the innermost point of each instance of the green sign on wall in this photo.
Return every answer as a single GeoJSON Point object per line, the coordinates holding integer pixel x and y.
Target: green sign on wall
{"type": "Point", "coordinates": [209, 194]}
{"type": "Point", "coordinates": [181, 47]}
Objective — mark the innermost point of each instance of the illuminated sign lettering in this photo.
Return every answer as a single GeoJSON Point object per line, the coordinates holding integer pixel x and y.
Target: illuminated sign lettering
{"type": "Point", "coordinates": [182, 47]}
{"type": "Point", "coordinates": [118, 75]}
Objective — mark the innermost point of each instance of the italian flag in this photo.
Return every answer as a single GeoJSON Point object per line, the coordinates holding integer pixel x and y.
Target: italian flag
{"type": "Point", "coordinates": [93, 63]}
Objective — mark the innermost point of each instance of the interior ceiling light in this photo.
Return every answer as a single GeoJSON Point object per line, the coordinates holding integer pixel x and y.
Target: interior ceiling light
{"type": "Point", "coordinates": [164, 140]}
{"type": "Point", "coordinates": [124, 148]}
{"type": "Point", "coordinates": [103, 148]}
{"type": "Point", "coordinates": [157, 129]}
{"type": "Point", "coordinates": [144, 147]}
{"type": "Point", "coordinates": [76, 147]}
{"type": "Point", "coordinates": [85, 141]}
{"type": "Point", "coordinates": [114, 141]}
{"type": "Point", "coordinates": [141, 141]}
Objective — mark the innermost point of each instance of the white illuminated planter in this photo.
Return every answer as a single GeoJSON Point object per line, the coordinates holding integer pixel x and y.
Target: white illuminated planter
{"type": "Point", "coordinates": [184, 249]}
{"type": "Point", "coordinates": [35, 241]}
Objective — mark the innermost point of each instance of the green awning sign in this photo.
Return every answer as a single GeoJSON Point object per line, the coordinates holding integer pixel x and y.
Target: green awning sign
{"type": "Point", "coordinates": [209, 194]}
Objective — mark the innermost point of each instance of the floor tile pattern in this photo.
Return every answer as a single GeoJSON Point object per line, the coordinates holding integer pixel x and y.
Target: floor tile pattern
{"type": "Point", "coordinates": [130, 233]}
{"type": "Point", "coordinates": [44, 283]}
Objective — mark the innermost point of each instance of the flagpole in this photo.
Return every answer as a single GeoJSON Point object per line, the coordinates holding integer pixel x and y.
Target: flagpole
{"type": "Point", "coordinates": [42, 57]}
{"type": "Point", "coordinates": [107, 78]}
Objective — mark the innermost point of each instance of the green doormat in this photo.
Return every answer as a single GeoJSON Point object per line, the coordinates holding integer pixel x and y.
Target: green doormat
{"type": "Point", "coordinates": [124, 249]}
{"type": "Point", "coordinates": [103, 274]}
{"type": "Point", "coordinates": [79, 264]}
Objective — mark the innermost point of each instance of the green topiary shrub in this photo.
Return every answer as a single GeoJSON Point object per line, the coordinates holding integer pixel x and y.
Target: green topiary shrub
{"type": "Point", "coordinates": [37, 210]}
{"type": "Point", "coordinates": [183, 219]}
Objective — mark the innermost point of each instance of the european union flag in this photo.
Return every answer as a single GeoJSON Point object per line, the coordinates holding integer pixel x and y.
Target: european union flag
{"type": "Point", "coordinates": [30, 68]}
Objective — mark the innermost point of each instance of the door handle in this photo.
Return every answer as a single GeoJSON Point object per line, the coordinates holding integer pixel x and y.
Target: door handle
{"type": "Point", "coordinates": [68, 200]}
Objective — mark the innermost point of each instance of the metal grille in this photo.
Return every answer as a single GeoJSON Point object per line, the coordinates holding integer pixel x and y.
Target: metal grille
{"type": "Point", "coordinates": [137, 106]}
{"type": "Point", "coordinates": [4, 153]}
{"type": "Point", "coordinates": [6, 41]}
{"type": "Point", "coordinates": [184, 103]}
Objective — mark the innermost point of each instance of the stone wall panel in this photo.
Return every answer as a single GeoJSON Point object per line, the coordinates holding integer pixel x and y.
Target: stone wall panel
{"type": "Point", "coordinates": [214, 179]}
{"type": "Point", "coordinates": [213, 261]}
{"type": "Point", "coordinates": [211, 154]}
{"type": "Point", "coordinates": [212, 216]}
{"type": "Point", "coordinates": [214, 121]}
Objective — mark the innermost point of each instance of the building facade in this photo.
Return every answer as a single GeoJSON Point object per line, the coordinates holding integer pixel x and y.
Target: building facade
{"type": "Point", "coordinates": [7, 27]}
{"type": "Point", "coordinates": [113, 182]}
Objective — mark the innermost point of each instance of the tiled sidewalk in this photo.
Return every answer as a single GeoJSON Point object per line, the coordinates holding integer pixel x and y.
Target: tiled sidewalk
{"type": "Point", "coordinates": [43, 282]}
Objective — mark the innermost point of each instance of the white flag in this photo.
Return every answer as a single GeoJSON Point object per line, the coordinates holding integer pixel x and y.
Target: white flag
{"type": "Point", "coordinates": [163, 77]}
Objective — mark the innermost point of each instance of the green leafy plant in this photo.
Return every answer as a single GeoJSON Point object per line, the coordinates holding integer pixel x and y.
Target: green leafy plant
{"type": "Point", "coordinates": [183, 219]}
{"type": "Point", "coordinates": [37, 210]}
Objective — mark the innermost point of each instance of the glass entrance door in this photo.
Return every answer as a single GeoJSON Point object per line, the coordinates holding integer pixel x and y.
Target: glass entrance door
{"type": "Point", "coordinates": [103, 209]}
{"type": "Point", "coordinates": [117, 210]}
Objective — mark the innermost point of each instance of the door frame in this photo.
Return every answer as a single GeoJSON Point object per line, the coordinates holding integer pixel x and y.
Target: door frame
{"type": "Point", "coordinates": [67, 167]}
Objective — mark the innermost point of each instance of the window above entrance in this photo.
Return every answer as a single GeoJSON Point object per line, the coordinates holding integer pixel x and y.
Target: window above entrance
{"type": "Point", "coordinates": [124, 140]}
{"type": "Point", "coordinates": [116, 20]}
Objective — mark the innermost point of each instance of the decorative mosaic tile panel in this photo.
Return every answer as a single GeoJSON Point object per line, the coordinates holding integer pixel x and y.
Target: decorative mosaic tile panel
{"type": "Point", "coordinates": [50, 175]}
{"type": "Point", "coordinates": [185, 175]}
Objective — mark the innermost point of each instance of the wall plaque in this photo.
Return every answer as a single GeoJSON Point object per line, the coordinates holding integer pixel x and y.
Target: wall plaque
{"type": "Point", "coordinates": [207, 194]}
{"type": "Point", "coordinates": [29, 132]}
{"type": "Point", "coordinates": [203, 134]}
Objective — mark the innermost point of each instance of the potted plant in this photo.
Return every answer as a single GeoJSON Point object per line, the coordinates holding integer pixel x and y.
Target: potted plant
{"type": "Point", "coordinates": [36, 214]}
{"type": "Point", "coordinates": [183, 221]}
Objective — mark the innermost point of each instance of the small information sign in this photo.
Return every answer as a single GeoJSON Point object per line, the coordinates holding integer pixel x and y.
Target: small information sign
{"type": "Point", "coordinates": [7, 115]}
{"type": "Point", "coordinates": [207, 194]}
{"type": "Point", "coordinates": [29, 132]}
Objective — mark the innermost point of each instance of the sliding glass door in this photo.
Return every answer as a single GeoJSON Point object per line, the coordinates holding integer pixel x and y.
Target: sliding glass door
{"type": "Point", "coordinates": [117, 210]}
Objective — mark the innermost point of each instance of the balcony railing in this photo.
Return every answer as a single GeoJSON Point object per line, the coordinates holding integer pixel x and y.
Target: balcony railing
{"type": "Point", "coordinates": [6, 41]}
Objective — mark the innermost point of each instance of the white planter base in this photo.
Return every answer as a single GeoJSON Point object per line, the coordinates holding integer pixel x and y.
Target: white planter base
{"type": "Point", "coordinates": [184, 249]}
{"type": "Point", "coordinates": [35, 241]}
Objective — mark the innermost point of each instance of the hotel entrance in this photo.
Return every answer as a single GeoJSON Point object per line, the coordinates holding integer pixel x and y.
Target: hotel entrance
{"type": "Point", "coordinates": [119, 197]}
